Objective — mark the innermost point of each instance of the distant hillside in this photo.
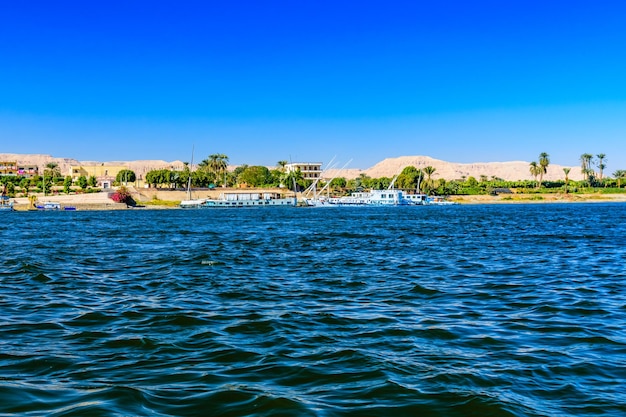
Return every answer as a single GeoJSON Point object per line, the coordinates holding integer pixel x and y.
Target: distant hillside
{"type": "Point", "coordinates": [139, 167]}
{"type": "Point", "coordinates": [512, 171]}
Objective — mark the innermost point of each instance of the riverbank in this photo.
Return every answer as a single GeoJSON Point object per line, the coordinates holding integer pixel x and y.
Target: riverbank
{"type": "Point", "coordinates": [169, 199]}
{"type": "Point", "coordinates": [538, 198]}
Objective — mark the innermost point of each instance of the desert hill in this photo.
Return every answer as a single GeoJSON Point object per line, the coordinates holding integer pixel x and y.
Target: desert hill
{"type": "Point", "coordinates": [389, 167]}
{"type": "Point", "coordinates": [512, 170]}
{"type": "Point", "coordinates": [139, 167]}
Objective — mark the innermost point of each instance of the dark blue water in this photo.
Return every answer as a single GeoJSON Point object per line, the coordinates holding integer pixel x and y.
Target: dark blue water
{"type": "Point", "coordinates": [507, 310]}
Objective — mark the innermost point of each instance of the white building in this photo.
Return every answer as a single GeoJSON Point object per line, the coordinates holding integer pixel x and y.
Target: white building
{"type": "Point", "coordinates": [310, 170]}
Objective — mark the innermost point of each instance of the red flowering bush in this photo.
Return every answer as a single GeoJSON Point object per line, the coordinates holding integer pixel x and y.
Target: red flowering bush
{"type": "Point", "coordinates": [122, 195]}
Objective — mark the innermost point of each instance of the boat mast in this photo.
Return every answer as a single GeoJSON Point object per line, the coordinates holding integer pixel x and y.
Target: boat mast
{"type": "Point", "coordinates": [190, 172]}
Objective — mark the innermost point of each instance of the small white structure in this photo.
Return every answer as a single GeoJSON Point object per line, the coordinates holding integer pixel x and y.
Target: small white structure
{"type": "Point", "coordinates": [310, 170]}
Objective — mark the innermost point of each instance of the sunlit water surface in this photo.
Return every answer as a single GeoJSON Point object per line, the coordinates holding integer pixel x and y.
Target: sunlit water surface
{"type": "Point", "coordinates": [503, 310]}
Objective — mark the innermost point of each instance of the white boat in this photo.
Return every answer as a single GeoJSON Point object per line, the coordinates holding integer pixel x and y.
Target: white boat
{"type": "Point", "coordinates": [416, 199]}
{"type": "Point", "coordinates": [249, 199]}
{"type": "Point", "coordinates": [197, 203]}
{"type": "Point", "coordinates": [5, 204]}
{"type": "Point", "coordinates": [190, 202]}
{"type": "Point", "coordinates": [439, 201]}
{"type": "Point", "coordinates": [49, 205]}
{"type": "Point", "coordinates": [366, 198]}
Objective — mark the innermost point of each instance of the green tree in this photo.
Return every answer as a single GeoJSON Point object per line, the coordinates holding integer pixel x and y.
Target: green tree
{"type": "Point", "coordinates": [82, 182]}
{"type": "Point", "coordinates": [619, 175]}
{"type": "Point", "coordinates": [566, 171]}
{"type": "Point", "coordinates": [544, 161]}
{"type": "Point", "coordinates": [125, 176]}
{"type": "Point", "coordinates": [67, 184]}
{"type": "Point", "coordinates": [586, 161]}
{"type": "Point", "coordinates": [429, 185]}
{"type": "Point", "coordinates": [409, 178]}
{"type": "Point", "coordinates": [281, 165]}
{"type": "Point", "coordinates": [217, 164]}
{"type": "Point", "coordinates": [10, 188]}
{"type": "Point", "coordinates": [293, 180]}
{"type": "Point", "coordinates": [535, 170]}
{"type": "Point", "coordinates": [24, 185]}
{"type": "Point", "coordinates": [92, 181]}
{"type": "Point", "coordinates": [52, 171]}
{"type": "Point", "coordinates": [256, 176]}
{"type": "Point", "coordinates": [601, 165]}
{"type": "Point", "coordinates": [338, 183]}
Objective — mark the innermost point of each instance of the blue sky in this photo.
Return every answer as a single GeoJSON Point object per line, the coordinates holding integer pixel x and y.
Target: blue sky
{"type": "Point", "coordinates": [263, 81]}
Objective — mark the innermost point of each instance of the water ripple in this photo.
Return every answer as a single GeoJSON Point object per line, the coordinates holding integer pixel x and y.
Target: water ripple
{"type": "Point", "coordinates": [456, 311]}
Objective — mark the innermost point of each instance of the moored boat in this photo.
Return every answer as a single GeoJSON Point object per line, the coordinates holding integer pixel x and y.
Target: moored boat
{"type": "Point", "coordinates": [197, 203]}
{"type": "Point", "coordinates": [439, 201]}
{"type": "Point", "coordinates": [249, 199]}
{"type": "Point", "coordinates": [365, 198]}
{"type": "Point", "coordinates": [6, 204]}
{"type": "Point", "coordinates": [49, 206]}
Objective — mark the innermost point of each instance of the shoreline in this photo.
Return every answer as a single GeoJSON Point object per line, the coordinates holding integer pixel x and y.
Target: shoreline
{"type": "Point", "coordinates": [101, 200]}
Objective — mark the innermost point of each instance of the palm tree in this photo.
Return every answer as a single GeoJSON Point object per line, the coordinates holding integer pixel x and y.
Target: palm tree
{"type": "Point", "coordinates": [217, 164]}
{"type": "Point", "coordinates": [281, 165]}
{"type": "Point", "coordinates": [429, 171]}
{"type": "Point", "coordinates": [292, 179]}
{"type": "Point", "coordinates": [586, 160]}
{"type": "Point", "coordinates": [601, 157]}
{"type": "Point", "coordinates": [619, 175]}
{"type": "Point", "coordinates": [566, 171]}
{"type": "Point", "coordinates": [535, 169]}
{"type": "Point", "coordinates": [52, 170]}
{"type": "Point", "coordinates": [544, 161]}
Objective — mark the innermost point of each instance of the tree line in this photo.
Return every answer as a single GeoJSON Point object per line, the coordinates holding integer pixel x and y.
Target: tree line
{"type": "Point", "coordinates": [213, 172]}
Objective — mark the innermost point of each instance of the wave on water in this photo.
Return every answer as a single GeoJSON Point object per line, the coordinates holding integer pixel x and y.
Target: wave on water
{"type": "Point", "coordinates": [459, 311]}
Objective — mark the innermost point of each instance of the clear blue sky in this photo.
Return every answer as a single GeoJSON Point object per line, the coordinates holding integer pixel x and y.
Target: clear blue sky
{"type": "Point", "coordinates": [262, 81]}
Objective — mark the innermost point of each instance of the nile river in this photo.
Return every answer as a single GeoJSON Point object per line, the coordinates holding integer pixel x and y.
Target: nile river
{"type": "Point", "coordinates": [491, 310]}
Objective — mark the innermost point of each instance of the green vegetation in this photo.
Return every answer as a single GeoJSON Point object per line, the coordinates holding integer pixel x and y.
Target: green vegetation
{"type": "Point", "coordinates": [163, 203]}
{"type": "Point", "coordinates": [125, 176]}
{"type": "Point", "coordinates": [213, 171]}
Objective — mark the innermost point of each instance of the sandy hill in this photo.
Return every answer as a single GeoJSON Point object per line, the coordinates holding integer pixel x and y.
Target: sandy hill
{"type": "Point", "coordinates": [512, 170]}
{"type": "Point", "coordinates": [140, 167]}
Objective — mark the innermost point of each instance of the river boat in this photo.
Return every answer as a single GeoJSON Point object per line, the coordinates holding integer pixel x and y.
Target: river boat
{"type": "Point", "coordinates": [416, 199]}
{"type": "Point", "coordinates": [439, 201]}
{"type": "Point", "coordinates": [49, 206]}
{"type": "Point", "coordinates": [250, 199]}
{"type": "Point", "coordinates": [190, 202]}
{"type": "Point", "coordinates": [364, 198]}
{"type": "Point", "coordinates": [5, 204]}
{"type": "Point", "coordinates": [194, 204]}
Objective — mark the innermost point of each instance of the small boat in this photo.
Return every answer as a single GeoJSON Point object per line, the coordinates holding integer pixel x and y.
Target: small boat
{"type": "Point", "coordinates": [5, 204]}
{"type": "Point", "coordinates": [193, 203]}
{"type": "Point", "coordinates": [439, 201]}
{"type": "Point", "coordinates": [49, 206]}
{"type": "Point", "coordinates": [250, 199]}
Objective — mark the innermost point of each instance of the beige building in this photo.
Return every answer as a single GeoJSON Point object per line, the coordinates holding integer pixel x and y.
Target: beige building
{"type": "Point", "coordinates": [13, 168]}
{"type": "Point", "coordinates": [310, 170]}
{"type": "Point", "coordinates": [105, 174]}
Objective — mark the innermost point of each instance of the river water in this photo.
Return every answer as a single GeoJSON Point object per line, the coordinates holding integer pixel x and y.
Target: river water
{"type": "Point", "coordinates": [490, 310]}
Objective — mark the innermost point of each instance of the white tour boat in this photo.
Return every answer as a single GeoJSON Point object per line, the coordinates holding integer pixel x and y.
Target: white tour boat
{"type": "Point", "coordinates": [249, 199]}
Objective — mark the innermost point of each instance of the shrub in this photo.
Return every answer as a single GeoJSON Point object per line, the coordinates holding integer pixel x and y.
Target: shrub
{"type": "Point", "coordinates": [122, 195]}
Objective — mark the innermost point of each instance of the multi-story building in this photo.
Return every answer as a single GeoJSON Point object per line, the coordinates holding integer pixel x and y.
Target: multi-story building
{"type": "Point", "coordinates": [8, 168]}
{"type": "Point", "coordinates": [310, 170]}
{"type": "Point", "coordinates": [13, 168]}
